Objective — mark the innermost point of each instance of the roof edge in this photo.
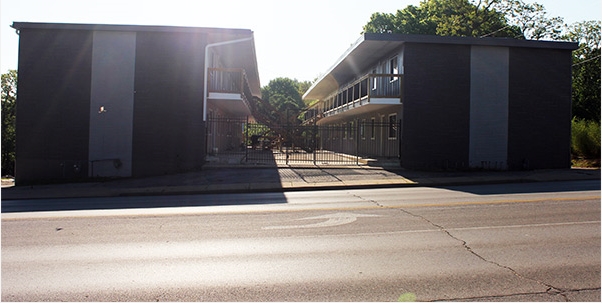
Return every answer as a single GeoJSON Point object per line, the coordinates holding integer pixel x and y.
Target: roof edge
{"type": "Point", "coordinates": [127, 27]}
{"type": "Point", "coordinates": [485, 41]}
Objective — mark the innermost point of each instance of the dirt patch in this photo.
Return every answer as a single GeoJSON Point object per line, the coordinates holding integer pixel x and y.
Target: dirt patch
{"type": "Point", "coordinates": [6, 182]}
{"type": "Point", "coordinates": [586, 163]}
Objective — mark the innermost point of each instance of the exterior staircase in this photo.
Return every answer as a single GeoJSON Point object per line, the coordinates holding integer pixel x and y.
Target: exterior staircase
{"type": "Point", "coordinates": [286, 133]}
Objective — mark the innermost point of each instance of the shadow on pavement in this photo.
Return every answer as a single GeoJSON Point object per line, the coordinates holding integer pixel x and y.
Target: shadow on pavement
{"type": "Point", "coordinates": [149, 192]}
{"type": "Point", "coordinates": [36, 205]}
{"type": "Point", "coordinates": [527, 188]}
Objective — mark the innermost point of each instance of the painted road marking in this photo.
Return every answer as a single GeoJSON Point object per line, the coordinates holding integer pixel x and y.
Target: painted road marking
{"type": "Point", "coordinates": [335, 219]}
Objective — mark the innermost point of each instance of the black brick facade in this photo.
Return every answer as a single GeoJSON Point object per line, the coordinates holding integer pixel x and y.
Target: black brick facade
{"type": "Point", "coordinates": [539, 126]}
{"type": "Point", "coordinates": [168, 103]}
{"type": "Point", "coordinates": [53, 104]}
{"type": "Point", "coordinates": [436, 102]}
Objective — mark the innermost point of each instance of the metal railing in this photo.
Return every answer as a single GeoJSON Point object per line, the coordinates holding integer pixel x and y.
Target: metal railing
{"type": "Point", "coordinates": [229, 81]}
{"type": "Point", "coordinates": [358, 93]}
{"type": "Point", "coordinates": [238, 141]}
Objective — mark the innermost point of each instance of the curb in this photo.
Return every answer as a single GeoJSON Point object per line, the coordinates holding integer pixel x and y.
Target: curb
{"type": "Point", "coordinates": [96, 190]}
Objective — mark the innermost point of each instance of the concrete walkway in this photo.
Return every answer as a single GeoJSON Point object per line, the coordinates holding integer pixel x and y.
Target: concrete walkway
{"type": "Point", "coordinates": [241, 179]}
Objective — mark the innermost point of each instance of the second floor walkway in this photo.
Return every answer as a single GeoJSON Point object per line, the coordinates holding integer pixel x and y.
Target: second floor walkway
{"type": "Point", "coordinates": [368, 93]}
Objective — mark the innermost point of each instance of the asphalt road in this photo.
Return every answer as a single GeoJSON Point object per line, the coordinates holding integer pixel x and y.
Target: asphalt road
{"type": "Point", "coordinates": [514, 242]}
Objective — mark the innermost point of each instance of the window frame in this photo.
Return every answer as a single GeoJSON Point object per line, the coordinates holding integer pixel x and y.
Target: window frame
{"type": "Point", "coordinates": [394, 68]}
{"type": "Point", "coordinates": [373, 128]}
{"type": "Point", "coordinates": [393, 128]}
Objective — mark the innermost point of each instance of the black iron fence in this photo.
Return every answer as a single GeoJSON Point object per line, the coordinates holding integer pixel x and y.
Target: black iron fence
{"type": "Point", "coordinates": [354, 142]}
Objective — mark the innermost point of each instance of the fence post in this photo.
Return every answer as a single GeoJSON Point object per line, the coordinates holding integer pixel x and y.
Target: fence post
{"type": "Point", "coordinates": [314, 139]}
{"type": "Point", "coordinates": [357, 141]}
{"type": "Point", "coordinates": [288, 135]}
{"type": "Point", "coordinates": [246, 140]}
{"type": "Point", "coordinates": [399, 141]}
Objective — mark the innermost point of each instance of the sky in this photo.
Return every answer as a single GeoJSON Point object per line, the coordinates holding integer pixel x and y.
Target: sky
{"type": "Point", "coordinates": [294, 39]}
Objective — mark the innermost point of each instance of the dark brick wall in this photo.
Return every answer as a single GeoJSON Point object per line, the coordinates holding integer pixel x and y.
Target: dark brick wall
{"type": "Point", "coordinates": [539, 126]}
{"type": "Point", "coordinates": [168, 103]}
{"type": "Point", "coordinates": [436, 102]}
{"type": "Point", "coordinates": [53, 104]}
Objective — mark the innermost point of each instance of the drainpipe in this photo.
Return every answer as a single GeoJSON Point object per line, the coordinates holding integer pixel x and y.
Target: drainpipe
{"type": "Point", "coordinates": [211, 45]}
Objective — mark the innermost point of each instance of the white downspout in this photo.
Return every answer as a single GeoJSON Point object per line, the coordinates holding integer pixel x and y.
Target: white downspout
{"type": "Point", "coordinates": [207, 47]}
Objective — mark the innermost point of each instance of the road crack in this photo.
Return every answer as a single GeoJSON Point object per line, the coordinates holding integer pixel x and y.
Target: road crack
{"type": "Point", "coordinates": [550, 289]}
{"type": "Point", "coordinates": [509, 297]}
{"type": "Point", "coordinates": [368, 200]}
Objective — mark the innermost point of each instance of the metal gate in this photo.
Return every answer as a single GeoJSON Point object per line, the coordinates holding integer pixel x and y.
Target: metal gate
{"type": "Point", "coordinates": [238, 141]}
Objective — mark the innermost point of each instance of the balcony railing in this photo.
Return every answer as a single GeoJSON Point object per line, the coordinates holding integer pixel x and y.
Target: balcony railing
{"type": "Point", "coordinates": [229, 81]}
{"type": "Point", "coordinates": [361, 92]}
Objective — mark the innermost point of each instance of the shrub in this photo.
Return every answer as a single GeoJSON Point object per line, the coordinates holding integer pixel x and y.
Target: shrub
{"type": "Point", "coordinates": [585, 139]}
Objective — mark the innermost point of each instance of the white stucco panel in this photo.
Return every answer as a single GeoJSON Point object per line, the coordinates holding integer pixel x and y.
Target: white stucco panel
{"type": "Point", "coordinates": [112, 104]}
{"type": "Point", "coordinates": [489, 78]}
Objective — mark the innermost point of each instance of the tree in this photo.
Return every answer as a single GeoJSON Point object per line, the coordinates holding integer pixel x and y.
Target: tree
{"type": "Point", "coordinates": [464, 18]}
{"type": "Point", "coordinates": [280, 108]}
{"type": "Point", "coordinates": [284, 98]}
{"type": "Point", "coordinates": [586, 69]}
{"type": "Point", "coordinates": [445, 18]}
{"type": "Point", "coordinates": [9, 98]}
{"type": "Point", "coordinates": [302, 88]}
{"type": "Point", "coordinates": [532, 19]}
{"type": "Point", "coordinates": [285, 87]}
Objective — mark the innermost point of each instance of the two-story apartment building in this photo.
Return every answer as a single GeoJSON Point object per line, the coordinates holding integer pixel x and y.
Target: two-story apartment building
{"type": "Point", "coordinates": [100, 100]}
{"type": "Point", "coordinates": [450, 102]}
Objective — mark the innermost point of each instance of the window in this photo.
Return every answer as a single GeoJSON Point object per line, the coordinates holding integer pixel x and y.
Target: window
{"type": "Point", "coordinates": [363, 129]}
{"type": "Point", "coordinates": [374, 83]}
{"type": "Point", "coordinates": [344, 131]}
{"type": "Point", "coordinates": [393, 126]}
{"type": "Point", "coordinates": [393, 67]}
{"type": "Point", "coordinates": [351, 131]}
{"type": "Point", "coordinates": [372, 128]}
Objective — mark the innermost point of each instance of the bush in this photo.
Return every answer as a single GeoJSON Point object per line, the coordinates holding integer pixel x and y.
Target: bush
{"type": "Point", "coordinates": [585, 139]}
{"type": "Point", "coordinates": [8, 97]}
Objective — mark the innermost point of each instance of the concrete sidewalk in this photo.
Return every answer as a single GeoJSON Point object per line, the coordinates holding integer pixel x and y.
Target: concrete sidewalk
{"type": "Point", "coordinates": [239, 179]}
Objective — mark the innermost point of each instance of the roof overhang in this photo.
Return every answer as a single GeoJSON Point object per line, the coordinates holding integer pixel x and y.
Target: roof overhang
{"type": "Point", "coordinates": [241, 55]}
{"type": "Point", "coordinates": [370, 48]}
{"type": "Point", "coordinates": [353, 63]}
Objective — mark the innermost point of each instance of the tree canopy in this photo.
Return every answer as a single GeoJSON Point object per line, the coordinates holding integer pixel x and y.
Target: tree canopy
{"type": "Point", "coordinates": [586, 69]}
{"type": "Point", "coordinates": [283, 89]}
{"type": "Point", "coordinates": [445, 18]}
{"type": "Point", "coordinates": [470, 18]}
{"type": "Point", "coordinates": [281, 101]}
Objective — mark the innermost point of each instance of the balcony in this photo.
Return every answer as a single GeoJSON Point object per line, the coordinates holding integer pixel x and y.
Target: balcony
{"type": "Point", "coordinates": [369, 93]}
{"type": "Point", "coordinates": [229, 90]}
